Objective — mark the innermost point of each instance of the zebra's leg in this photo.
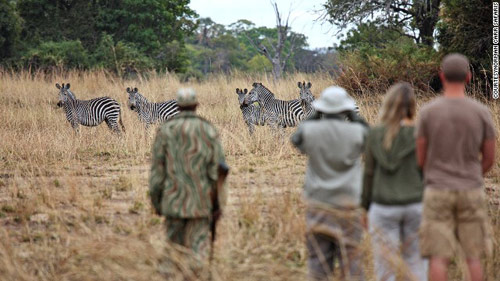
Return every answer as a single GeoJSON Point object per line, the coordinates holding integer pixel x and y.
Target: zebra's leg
{"type": "Point", "coordinates": [75, 127]}
{"type": "Point", "coordinates": [251, 128]}
{"type": "Point", "coordinates": [121, 122]}
{"type": "Point", "coordinates": [113, 125]}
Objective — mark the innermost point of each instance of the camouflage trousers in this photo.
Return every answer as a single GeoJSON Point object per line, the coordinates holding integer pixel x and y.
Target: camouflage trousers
{"type": "Point", "coordinates": [190, 261]}
{"type": "Point", "coordinates": [193, 234]}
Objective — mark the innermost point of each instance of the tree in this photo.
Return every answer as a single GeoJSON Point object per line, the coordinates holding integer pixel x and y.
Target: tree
{"type": "Point", "coordinates": [279, 51]}
{"type": "Point", "coordinates": [10, 29]}
{"type": "Point", "coordinates": [465, 28]}
{"type": "Point", "coordinates": [151, 28]}
{"type": "Point", "coordinates": [416, 19]}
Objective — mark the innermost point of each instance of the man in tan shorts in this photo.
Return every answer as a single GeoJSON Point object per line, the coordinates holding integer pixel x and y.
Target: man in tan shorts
{"type": "Point", "coordinates": [452, 132]}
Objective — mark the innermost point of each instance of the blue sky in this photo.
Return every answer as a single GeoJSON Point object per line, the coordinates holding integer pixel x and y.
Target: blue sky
{"type": "Point", "coordinates": [302, 18]}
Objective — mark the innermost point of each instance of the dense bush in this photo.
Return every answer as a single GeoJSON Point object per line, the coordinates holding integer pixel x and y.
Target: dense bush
{"type": "Point", "coordinates": [372, 58]}
{"type": "Point", "coordinates": [57, 55]}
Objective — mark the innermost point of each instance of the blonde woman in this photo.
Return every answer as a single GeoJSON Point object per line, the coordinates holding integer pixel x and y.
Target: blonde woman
{"type": "Point", "coordinates": [393, 188]}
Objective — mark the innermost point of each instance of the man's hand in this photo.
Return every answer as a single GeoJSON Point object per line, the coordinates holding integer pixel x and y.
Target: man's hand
{"type": "Point", "coordinates": [421, 151]}
{"type": "Point", "coordinates": [216, 215]}
{"type": "Point", "coordinates": [364, 221]}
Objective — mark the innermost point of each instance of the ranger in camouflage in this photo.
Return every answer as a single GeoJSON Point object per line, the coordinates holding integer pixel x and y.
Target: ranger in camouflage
{"type": "Point", "coordinates": [184, 172]}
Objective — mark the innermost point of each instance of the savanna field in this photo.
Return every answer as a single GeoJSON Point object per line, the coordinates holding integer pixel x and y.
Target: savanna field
{"type": "Point", "coordinates": [76, 206]}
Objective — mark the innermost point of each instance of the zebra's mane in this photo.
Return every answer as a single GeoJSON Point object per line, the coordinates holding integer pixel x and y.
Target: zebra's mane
{"type": "Point", "coordinates": [142, 99]}
{"type": "Point", "coordinates": [71, 94]}
{"type": "Point", "coordinates": [257, 85]}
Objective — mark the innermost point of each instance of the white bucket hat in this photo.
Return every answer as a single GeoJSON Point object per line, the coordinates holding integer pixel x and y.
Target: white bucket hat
{"type": "Point", "coordinates": [334, 100]}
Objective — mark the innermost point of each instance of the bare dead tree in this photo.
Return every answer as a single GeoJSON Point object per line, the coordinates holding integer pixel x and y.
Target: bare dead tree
{"type": "Point", "coordinates": [278, 55]}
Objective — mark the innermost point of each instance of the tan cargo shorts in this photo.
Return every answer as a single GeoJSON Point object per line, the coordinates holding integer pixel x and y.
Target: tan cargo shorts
{"type": "Point", "coordinates": [451, 218]}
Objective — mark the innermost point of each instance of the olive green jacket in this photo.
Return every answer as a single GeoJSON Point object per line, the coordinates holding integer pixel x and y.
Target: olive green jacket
{"type": "Point", "coordinates": [185, 159]}
{"type": "Point", "coordinates": [391, 177]}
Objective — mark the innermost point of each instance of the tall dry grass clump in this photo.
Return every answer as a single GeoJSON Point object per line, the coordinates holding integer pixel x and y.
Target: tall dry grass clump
{"type": "Point", "coordinates": [75, 206]}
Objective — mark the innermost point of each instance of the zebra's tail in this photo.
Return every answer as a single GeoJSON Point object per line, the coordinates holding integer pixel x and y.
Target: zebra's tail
{"type": "Point", "coordinates": [121, 123]}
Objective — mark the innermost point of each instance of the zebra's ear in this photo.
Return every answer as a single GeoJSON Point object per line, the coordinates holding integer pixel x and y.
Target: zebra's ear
{"type": "Point", "coordinates": [300, 85]}
{"type": "Point", "coordinates": [309, 85]}
{"type": "Point", "coordinates": [58, 86]}
{"type": "Point", "coordinates": [245, 91]}
{"type": "Point", "coordinates": [135, 90]}
{"type": "Point", "coordinates": [255, 84]}
{"type": "Point", "coordinates": [129, 90]}
{"type": "Point", "coordinates": [67, 85]}
{"type": "Point", "coordinates": [237, 90]}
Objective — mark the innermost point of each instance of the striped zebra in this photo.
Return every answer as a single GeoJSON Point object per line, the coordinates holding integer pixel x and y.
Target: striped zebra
{"type": "Point", "coordinates": [306, 98]}
{"type": "Point", "coordinates": [151, 112]}
{"type": "Point", "coordinates": [252, 114]}
{"type": "Point", "coordinates": [286, 113]}
{"type": "Point", "coordinates": [89, 112]}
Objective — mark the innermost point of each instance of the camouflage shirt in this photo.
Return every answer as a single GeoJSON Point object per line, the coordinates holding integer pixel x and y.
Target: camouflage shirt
{"type": "Point", "coordinates": [184, 171]}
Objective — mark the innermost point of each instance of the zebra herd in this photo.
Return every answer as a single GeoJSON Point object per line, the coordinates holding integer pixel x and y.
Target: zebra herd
{"type": "Point", "coordinates": [93, 112]}
{"type": "Point", "coordinates": [259, 107]}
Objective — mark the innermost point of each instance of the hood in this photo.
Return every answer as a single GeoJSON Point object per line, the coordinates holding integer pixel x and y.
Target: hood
{"type": "Point", "coordinates": [404, 144]}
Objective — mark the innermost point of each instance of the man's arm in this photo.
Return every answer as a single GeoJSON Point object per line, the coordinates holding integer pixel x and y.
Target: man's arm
{"type": "Point", "coordinates": [158, 173]}
{"type": "Point", "coordinates": [421, 151]}
{"type": "Point", "coordinates": [366, 196]}
{"type": "Point", "coordinates": [297, 139]}
{"type": "Point", "coordinates": [488, 152]}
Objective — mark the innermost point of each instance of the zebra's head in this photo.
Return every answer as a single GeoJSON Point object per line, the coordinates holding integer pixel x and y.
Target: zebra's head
{"type": "Point", "coordinates": [65, 95]}
{"type": "Point", "coordinates": [305, 91]}
{"type": "Point", "coordinates": [241, 96]}
{"type": "Point", "coordinates": [253, 96]}
{"type": "Point", "coordinates": [132, 98]}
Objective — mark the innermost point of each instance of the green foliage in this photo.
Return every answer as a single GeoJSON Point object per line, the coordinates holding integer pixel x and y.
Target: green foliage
{"type": "Point", "coordinates": [259, 63]}
{"type": "Point", "coordinates": [413, 18]}
{"type": "Point", "coordinates": [466, 28]}
{"type": "Point", "coordinates": [372, 58]}
{"type": "Point", "coordinates": [51, 55]}
{"type": "Point", "coordinates": [217, 48]}
{"type": "Point", "coordinates": [10, 29]}
{"type": "Point", "coordinates": [140, 34]}
{"type": "Point", "coordinates": [121, 57]}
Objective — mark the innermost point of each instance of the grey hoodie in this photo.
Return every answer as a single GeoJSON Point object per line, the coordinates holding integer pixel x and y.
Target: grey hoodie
{"type": "Point", "coordinates": [334, 171]}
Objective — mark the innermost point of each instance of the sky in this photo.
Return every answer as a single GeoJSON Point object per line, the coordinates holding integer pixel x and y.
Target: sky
{"type": "Point", "coordinates": [302, 18]}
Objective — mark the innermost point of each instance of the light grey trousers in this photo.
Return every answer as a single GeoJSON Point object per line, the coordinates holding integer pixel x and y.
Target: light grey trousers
{"type": "Point", "coordinates": [394, 231]}
{"type": "Point", "coordinates": [334, 236]}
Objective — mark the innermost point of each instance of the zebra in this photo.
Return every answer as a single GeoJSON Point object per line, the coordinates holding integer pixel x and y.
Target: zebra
{"type": "Point", "coordinates": [284, 113]}
{"type": "Point", "coordinates": [252, 114]}
{"type": "Point", "coordinates": [306, 98]}
{"type": "Point", "coordinates": [151, 112]}
{"type": "Point", "coordinates": [89, 112]}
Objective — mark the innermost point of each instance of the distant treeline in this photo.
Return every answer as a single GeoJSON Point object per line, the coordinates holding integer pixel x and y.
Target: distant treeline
{"type": "Point", "coordinates": [132, 36]}
{"type": "Point", "coordinates": [387, 40]}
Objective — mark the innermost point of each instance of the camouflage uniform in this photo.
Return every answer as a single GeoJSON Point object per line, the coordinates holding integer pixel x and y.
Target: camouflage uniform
{"type": "Point", "coordinates": [186, 155]}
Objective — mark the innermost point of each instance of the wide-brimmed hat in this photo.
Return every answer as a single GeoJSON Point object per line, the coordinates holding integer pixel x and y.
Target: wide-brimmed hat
{"type": "Point", "coordinates": [334, 100]}
{"type": "Point", "coordinates": [186, 97]}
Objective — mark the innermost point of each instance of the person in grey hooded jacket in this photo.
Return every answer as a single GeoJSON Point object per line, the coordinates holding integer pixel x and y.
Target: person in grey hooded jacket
{"type": "Point", "coordinates": [332, 188]}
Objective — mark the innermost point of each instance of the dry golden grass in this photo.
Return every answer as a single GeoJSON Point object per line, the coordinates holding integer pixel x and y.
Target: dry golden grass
{"type": "Point", "coordinates": [75, 206]}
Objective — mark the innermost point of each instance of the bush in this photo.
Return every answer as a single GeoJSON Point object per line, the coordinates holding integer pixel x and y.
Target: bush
{"type": "Point", "coordinates": [122, 58]}
{"type": "Point", "coordinates": [376, 68]}
{"type": "Point", "coordinates": [61, 55]}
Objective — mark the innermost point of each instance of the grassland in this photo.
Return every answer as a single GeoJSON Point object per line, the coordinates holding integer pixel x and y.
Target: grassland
{"type": "Point", "coordinates": [75, 206]}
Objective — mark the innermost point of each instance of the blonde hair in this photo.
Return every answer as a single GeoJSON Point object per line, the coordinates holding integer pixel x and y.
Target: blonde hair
{"type": "Point", "coordinates": [399, 103]}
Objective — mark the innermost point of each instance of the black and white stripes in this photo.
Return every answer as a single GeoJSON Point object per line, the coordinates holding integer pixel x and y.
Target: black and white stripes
{"type": "Point", "coordinates": [89, 112]}
{"type": "Point", "coordinates": [287, 113]}
{"type": "Point", "coordinates": [151, 112]}
{"type": "Point", "coordinates": [252, 114]}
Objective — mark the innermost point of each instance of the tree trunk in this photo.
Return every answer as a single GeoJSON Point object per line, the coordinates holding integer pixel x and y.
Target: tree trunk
{"type": "Point", "coordinates": [426, 20]}
{"type": "Point", "coordinates": [277, 71]}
